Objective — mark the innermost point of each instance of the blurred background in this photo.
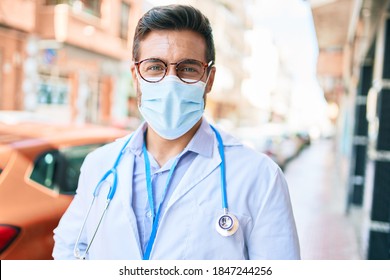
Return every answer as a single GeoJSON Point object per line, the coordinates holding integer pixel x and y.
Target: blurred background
{"type": "Point", "coordinates": [306, 82]}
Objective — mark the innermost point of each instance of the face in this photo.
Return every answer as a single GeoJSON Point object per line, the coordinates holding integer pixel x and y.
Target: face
{"type": "Point", "coordinates": [172, 46]}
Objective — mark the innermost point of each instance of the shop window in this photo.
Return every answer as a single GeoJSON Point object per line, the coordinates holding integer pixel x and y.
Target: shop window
{"type": "Point", "coordinates": [53, 91]}
{"type": "Point", "coordinates": [59, 170]}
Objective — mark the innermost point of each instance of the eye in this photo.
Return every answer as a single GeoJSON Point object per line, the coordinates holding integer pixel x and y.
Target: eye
{"type": "Point", "coordinates": [155, 67]}
{"type": "Point", "coordinates": [152, 66]}
{"type": "Point", "coordinates": [189, 67]}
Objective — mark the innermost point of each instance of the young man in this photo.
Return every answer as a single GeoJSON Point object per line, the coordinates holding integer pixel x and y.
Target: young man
{"type": "Point", "coordinates": [178, 188]}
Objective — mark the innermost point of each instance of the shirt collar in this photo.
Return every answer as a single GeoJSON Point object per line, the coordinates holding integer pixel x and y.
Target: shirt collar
{"type": "Point", "coordinates": [202, 143]}
{"type": "Point", "coordinates": [135, 145]}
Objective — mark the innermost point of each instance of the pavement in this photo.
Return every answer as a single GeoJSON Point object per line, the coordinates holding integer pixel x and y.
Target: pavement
{"type": "Point", "coordinates": [318, 189]}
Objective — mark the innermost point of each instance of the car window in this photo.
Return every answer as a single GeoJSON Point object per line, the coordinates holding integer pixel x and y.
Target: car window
{"type": "Point", "coordinates": [59, 170]}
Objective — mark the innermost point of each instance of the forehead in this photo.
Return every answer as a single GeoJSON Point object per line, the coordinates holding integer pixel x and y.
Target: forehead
{"type": "Point", "coordinates": [173, 45]}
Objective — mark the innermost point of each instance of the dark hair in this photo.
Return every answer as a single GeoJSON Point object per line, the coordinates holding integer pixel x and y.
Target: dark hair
{"type": "Point", "coordinates": [174, 17]}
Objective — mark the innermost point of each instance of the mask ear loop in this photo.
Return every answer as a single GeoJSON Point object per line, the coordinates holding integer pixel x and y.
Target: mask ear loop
{"type": "Point", "coordinates": [207, 80]}
{"type": "Point", "coordinates": [136, 71]}
{"type": "Point", "coordinates": [210, 66]}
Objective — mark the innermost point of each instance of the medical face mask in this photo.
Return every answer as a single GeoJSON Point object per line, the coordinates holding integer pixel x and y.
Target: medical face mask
{"type": "Point", "coordinates": [171, 107]}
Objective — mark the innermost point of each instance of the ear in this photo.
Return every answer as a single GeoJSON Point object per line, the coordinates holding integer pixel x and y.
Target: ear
{"type": "Point", "coordinates": [134, 75]}
{"type": "Point", "coordinates": [210, 82]}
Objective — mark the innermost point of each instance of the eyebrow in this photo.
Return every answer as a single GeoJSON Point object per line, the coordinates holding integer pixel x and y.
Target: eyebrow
{"type": "Point", "coordinates": [190, 60]}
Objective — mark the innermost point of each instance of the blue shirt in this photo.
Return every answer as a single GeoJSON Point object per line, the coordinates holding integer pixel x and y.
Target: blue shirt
{"type": "Point", "coordinates": [200, 145]}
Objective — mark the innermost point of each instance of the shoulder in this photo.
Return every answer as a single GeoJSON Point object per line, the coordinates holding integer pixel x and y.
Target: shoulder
{"type": "Point", "coordinates": [240, 153]}
{"type": "Point", "coordinates": [253, 176]}
{"type": "Point", "coordinates": [251, 164]}
{"type": "Point", "coordinates": [106, 154]}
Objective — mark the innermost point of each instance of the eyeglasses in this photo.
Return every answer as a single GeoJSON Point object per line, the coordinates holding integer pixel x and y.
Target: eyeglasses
{"type": "Point", "coordinates": [190, 71]}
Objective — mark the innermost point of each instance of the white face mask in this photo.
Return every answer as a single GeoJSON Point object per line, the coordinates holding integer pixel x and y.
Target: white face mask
{"type": "Point", "coordinates": [171, 107]}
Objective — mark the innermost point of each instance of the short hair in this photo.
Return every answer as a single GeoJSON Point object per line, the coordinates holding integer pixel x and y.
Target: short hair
{"type": "Point", "coordinates": [174, 17]}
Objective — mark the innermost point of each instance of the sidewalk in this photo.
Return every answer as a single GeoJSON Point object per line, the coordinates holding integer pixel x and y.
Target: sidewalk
{"type": "Point", "coordinates": [318, 195]}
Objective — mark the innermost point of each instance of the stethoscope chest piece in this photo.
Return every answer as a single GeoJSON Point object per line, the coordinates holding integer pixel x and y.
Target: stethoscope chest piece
{"type": "Point", "coordinates": [227, 224]}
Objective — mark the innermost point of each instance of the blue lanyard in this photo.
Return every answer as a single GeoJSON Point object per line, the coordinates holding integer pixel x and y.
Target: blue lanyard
{"type": "Point", "coordinates": [149, 189]}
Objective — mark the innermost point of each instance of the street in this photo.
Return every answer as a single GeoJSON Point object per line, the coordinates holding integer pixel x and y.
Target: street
{"type": "Point", "coordinates": [318, 190]}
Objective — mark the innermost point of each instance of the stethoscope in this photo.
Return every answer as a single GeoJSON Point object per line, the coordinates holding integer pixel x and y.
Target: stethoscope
{"type": "Point", "coordinates": [226, 225]}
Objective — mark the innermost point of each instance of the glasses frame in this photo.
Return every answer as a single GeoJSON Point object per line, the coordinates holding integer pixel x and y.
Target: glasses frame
{"type": "Point", "coordinates": [205, 66]}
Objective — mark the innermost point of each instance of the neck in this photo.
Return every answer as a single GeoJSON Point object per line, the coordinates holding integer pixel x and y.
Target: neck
{"type": "Point", "coordinates": [163, 149]}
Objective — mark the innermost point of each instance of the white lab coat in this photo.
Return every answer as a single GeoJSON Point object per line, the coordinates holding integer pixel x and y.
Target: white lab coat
{"type": "Point", "coordinates": [257, 195]}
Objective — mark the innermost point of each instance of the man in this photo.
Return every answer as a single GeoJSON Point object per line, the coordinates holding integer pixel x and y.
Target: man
{"type": "Point", "coordinates": [183, 189]}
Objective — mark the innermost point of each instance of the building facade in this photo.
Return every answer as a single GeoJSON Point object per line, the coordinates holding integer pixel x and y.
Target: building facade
{"type": "Point", "coordinates": [370, 170]}
{"type": "Point", "coordinates": [68, 59]}
{"type": "Point", "coordinates": [354, 66]}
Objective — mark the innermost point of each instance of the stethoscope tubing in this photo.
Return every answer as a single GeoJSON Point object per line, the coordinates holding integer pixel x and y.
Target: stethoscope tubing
{"type": "Point", "coordinates": [225, 206]}
{"type": "Point", "coordinates": [110, 196]}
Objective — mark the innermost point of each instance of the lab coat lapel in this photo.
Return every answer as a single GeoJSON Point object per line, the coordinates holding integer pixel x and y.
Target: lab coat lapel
{"type": "Point", "coordinates": [124, 189]}
{"type": "Point", "coordinates": [199, 169]}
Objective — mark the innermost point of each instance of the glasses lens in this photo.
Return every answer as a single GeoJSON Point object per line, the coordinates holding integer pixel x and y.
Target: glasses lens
{"type": "Point", "coordinates": [190, 71]}
{"type": "Point", "coordinates": [152, 70]}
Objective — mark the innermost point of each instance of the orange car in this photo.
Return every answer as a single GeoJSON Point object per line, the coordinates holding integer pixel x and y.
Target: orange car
{"type": "Point", "coordinates": [39, 170]}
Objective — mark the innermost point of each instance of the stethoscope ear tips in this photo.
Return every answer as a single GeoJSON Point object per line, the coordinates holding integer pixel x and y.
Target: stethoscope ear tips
{"type": "Point", "coordinates": [227, 224]}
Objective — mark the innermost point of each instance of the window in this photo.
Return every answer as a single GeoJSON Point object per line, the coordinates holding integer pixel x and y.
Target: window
{"type": "Point", "coordinates": [53, 90]}
{"type": "Point", "coordinates": [89, 6]}
{"type": "Point", "coordinates": [59, 170]}
{"type": "Point", "coordinates": [124, 21]}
